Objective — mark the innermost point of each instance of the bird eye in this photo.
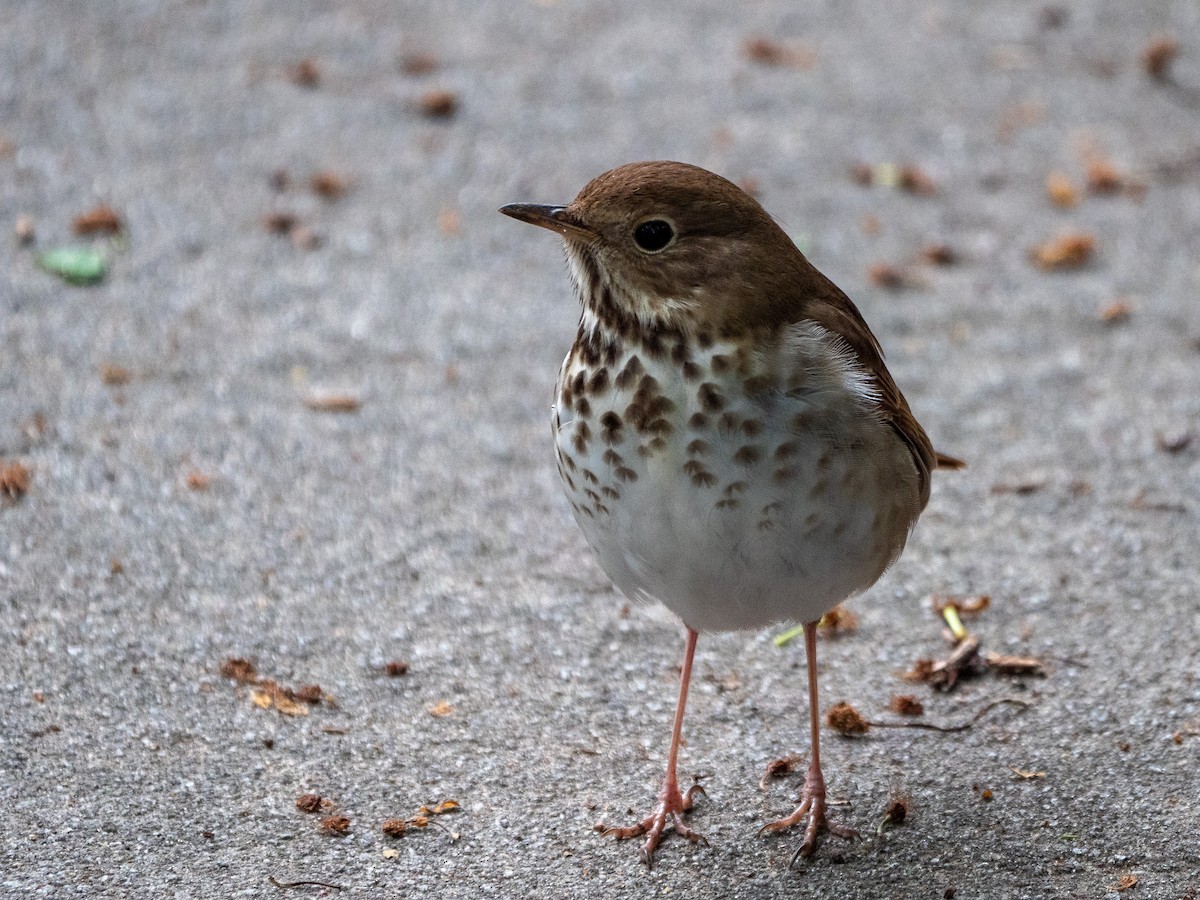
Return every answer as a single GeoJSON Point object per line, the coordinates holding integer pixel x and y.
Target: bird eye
{"type": "Point", "coordinates": [652, 236]}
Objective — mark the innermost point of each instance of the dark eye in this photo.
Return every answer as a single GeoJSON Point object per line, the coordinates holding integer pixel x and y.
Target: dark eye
{"type": "Point", "coordinates": [652, 236]}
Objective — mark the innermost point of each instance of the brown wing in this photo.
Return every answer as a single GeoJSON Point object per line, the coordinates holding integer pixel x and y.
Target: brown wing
{"type": "Point", "coordinates": [833, 310]}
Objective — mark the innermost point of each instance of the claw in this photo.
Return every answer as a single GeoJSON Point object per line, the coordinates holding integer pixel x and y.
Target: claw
{"type": "Point", "coordinates": [669, 811]}
{"type": "Point", "coordinates": [813, 809]}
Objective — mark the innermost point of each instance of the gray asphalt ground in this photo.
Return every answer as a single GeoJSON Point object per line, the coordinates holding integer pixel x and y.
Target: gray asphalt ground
{"type": "Point", "coordinates": [201, 511]}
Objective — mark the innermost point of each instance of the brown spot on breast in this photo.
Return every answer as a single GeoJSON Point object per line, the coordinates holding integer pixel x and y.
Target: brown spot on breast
{"type": "Point", "coordinates": [700, 476]}
{"type": "Point", "coordinates": [752, 427]}
{"type": "Point", "coordinates": [748, 455]}
{"type": "Point", "coordinates": [583, 434]}
{"type": "Point", "coordinates": [611, 493]}
{"type": "Point", "coordinates": [612, 457]}
{"type": "Point", "coordinates": [704, 338]}
{"type": "Point", "coordinates": [579, 382]}
{"type": "Point", "coordinates": [728, 423]}
{"type": "Point", "coordinates": [803, 421]}
{"type": "Point", "coordinates": [658, 427]}
{"type": "Point", "coordinates": [784, 474]}
{"type": "Point", "coordinates": [599, 382]}
{"type": "Point", "coordinates": [624, 473]}
{"type": "Point", "coordinates": [728, 503]}
{"type": "Point", "coordinates": [819, 487]}
{"type": "Point", "coordinates": [570, 460]}
{"type": "Point", "coordinates": [773, 507]}
{"type": "Point", "coordinates": [698, 421]}
{"type": "Point", "coordinates": [591, 495]}
{"type": "Point", "coordinates": [720, 363]}
{"type": "Point", "coordinates": [631, 372]}
{"type": "Point", "coordinates": [570, 482]}
{"type": "Point", "coordinates": [697, 447]}
{"type": "Point", "coordinates": [681, 352]}
{"type": "Point", "coordinates": [589, 475]}
{"type": "Point", "coordinates": [786, 449]}
{"type": "Point", "coordinates": [691, 371]}
{"type": "Point", "coordinates": [710, 397]}
{"type": "Point", "coordinates": [654, 445]}
{"type": "Point", "coordinates": [736, 487]}
{"type": "Point", "coordinates": [583, 407]}
{"type": "Point", "coordinates": [610, 427]}
{"type": "Point", "coordinates": [565, 396]}
{"type": "Point", "coordinates": [765, 525]}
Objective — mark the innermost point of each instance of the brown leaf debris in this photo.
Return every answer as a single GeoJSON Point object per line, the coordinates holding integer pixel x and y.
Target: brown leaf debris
{"type": "Point", "coordinates": [906, 705]}
{"type": "Point", "coordinates": [309, 803]}
{"type": "Point", "coordinates": [305, 73]}
{"type": "Point", "coordinates": [1158, 56]}
{"type": "Point", "coordinates": [846, 720]}
{"type": "Point", "coordinates": [1060, 190]}
{"type": "Point", "coordinates": [335, 403]}
{"type": "Point", "coordinates": [14, 480]}
{"type": "Point", "coordinates": [328, 184]}
{"type": "Point", "coordinates": [1068, 251]}
{"type": "Point", "coordinates": [777, 768]}
{"type": "Point", "coordinates": [98, 220]}
{"type": "Point", "coordinates": [438, 104]}
{"type": "Point", "coordinates": [335, 824]}
{"type": "Point", "coordinates": [769, 52]}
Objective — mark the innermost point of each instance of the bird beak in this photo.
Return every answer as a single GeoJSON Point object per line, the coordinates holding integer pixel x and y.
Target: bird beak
{"type": "Point", "coordinates": [556, 218]}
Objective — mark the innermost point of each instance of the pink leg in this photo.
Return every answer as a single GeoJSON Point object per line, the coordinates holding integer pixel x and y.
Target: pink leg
{"type": "Point", "coordinates": [672, 804]}
{"type": "Point", "coordinates": [812, 800]}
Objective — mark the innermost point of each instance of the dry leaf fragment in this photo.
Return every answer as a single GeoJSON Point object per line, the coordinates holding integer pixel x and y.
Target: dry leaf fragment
{"type": "Point", "coordinates": [438, 104]}
{"type": "Point", "coordinates": [1005, 664]}
{"type": "Point", "coordinates": [906, 705]}
{"type": "Point", "coordinates": [309, 803]}
{"type": "Point", "coordinates": [337, 403]}
{"type": "Point", "coordinates": [1060, 190]}
{"type": "Point", "coordinates": [1068, 251]}
{"type": "Point", "coordinates": [328, 184]}
{"type": "Point", "coordinates": [441, 709]}
{"type": "Point", "coordinates": [939, 254]}
{"type": "Point", "coordinates": [846, 720]}
{"type": "Point", "coordinates": [197, 480]}
{"type": "Point", "coordinates": [114, 375]}
{"type": "Point", "coordinates": [769, 52]}
{"type": "Point", "coordinates": [1158, 56]}
{"type": "Point", "coordinates": [14, 480]}
{"type": "Point", "coordinates": [395, 668]}
{"type": "Point", "coordinates": [1125, 882]}
{"type": "Point", "coordinates": [280, 222]}
{"type": "Point", "coordinates": [24, 231]}
{"type": "Point", "coordinates": [838, 620]}
{"type": "Point", "coordinates": [915, 181]}
{"type": "Point", "coordinates": [240, 670]}
{"type": "Point", "coordinates": [99, 220]}
{"type": "Point", "coordinates": [394, 827]}
{"type": "Point", "coordinates": [1025, 775]}
{"type": "Point", "coordinates": [1116, 313]}
{"type": "Point", "coordinates": [306, 73]}
{"type": "Point", "coordinates": [1103, 177]}
{"type": "Point", "coordinates": [885, 275]}
{"type": "Point", "coordinates": [777, 768]}
{"type": "Point", "coordinates": [335, 824]}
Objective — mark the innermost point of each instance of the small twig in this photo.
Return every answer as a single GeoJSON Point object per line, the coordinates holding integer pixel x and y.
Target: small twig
{"type": "Point", "coordinates": [296, 884]}
{"type": "Point", "coordinates": [929, 726]}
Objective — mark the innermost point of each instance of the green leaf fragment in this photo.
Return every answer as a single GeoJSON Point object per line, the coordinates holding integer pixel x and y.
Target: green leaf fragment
{"type": "Point", "coordinates": [75, 265]}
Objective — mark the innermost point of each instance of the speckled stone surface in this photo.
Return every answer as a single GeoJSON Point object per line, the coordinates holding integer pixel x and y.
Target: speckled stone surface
{"type": "Point", "coordinates": [202, 510]}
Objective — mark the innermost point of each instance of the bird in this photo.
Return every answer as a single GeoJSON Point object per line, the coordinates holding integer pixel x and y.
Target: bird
{"type": "Point", "coordinates": [726, 432]}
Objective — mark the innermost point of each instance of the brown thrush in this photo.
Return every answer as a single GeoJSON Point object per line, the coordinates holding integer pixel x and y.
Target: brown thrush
{"type": "Point", "coordinates": [727, 433]}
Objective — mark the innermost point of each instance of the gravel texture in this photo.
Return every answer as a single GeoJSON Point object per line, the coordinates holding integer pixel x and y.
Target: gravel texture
{"type": "Point", "coordinates": [187, 505]}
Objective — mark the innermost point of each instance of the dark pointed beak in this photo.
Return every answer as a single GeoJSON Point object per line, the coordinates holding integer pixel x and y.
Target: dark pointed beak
{"type": "Point", "coordinates": [556, 218]}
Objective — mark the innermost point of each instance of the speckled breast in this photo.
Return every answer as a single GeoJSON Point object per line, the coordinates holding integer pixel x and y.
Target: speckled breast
{"type": "Point", "coordinates": [739, 486]}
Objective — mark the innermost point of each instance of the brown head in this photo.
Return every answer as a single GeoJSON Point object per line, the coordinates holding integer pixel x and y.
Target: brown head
{"type": "Point", "coordinates": [678, 244]}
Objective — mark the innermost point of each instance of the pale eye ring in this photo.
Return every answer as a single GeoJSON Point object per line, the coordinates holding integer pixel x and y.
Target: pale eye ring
{"type": "Point", "coordinates": [653, 235]}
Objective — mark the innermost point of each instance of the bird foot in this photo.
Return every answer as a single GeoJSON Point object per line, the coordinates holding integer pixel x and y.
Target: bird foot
{"type": "Point", "coordinates": [672, 804]}
{"type": "Point", "coordinates": [813, 808]}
